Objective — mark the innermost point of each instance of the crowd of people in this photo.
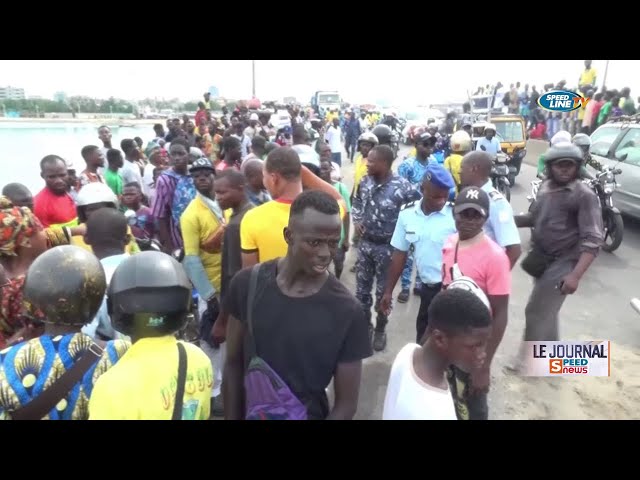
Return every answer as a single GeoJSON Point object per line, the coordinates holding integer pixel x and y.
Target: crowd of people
{"type": "Point", "coordinates": [239, 224]}
{"type": "Point", "coordinates": [543, 124]}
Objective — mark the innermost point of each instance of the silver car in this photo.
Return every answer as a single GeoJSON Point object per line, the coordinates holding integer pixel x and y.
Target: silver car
{"type": "Point", "coordinates": [612, 142]}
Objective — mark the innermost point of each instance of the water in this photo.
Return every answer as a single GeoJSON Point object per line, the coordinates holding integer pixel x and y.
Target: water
{"type": "Point", "coordinates": [23, 145]}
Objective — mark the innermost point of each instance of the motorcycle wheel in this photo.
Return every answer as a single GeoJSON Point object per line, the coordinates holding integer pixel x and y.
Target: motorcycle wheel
{"type": "Point", "coordinates": [505, 191]}
{"type": "Point", "coordinates": [613, 229]}
{"type": "Point", "coordinates": [512, 178]}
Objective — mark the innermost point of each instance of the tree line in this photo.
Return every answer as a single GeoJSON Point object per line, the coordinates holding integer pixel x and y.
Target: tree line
{"type": "Point", "coordinates": [81, 104]}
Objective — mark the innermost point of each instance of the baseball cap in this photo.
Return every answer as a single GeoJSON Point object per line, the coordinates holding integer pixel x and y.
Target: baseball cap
{"type": "Point", "coordinates": [201, 164]}
{"type": "Point", "coordinates": [472, 197]}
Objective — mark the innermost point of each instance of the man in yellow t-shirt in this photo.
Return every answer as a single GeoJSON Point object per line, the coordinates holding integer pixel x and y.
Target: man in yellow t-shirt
{"type": "Point", "coordinates": [261, 229]}
{"type": "Point", "coordinates": [150, 297]}
{"type": "Point", "coordinates": [460, 145]}
{"type": "Point", "coordinates": [202, 226]}
{"type": "Point", "coordinates": [588, 76]}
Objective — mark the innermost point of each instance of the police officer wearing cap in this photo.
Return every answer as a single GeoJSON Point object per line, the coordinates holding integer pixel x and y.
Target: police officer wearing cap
{"type": "Point", "coordinates": [500, 226]}
{"type": "Point", "coordinates": [414, 169]}
{"type": "Point", "coordinates": [422, 228]}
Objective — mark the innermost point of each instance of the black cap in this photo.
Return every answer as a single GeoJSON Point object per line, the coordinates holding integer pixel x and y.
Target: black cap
{"type": "Point", "coordinates": [202, 164]}
{"type": "Point", "coordinates": [472, 197]}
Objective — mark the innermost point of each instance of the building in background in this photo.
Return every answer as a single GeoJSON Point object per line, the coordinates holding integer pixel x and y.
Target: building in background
{"type": "Point", "coordinates": [60, 97]}
{"type": "Point", "coordinates": [11, 93]}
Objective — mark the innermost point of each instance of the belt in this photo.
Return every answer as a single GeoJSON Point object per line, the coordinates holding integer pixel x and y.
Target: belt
{"type": "Point", "coordinates": [433, 286]}
{"type": "Point", "coordinates": [379, 240]}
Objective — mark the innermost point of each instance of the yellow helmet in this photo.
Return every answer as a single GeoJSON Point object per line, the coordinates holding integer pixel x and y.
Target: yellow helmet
{"type": "Point", "coordinates": [460, 142]}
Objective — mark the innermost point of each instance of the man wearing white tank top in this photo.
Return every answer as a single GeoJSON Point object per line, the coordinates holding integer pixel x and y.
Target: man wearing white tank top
{"type": "Point", "coordinates": [457, 334]}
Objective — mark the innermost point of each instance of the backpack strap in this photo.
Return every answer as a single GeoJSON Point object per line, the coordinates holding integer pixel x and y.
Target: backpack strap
{"type": "Point", "coordinates": [253, 283]}
{"type": "Point", "coordinates": [38, 407]}
{"type": "Point", "coordinates": [182, 380]}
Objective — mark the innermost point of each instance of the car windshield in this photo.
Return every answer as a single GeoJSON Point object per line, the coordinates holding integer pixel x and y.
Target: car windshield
{"type": "Point", "coordinates": [509, 131]}
{"type": "Point", "coordinates": [602, 139]}
{"type": "Point", "coordinates": [327, 98]}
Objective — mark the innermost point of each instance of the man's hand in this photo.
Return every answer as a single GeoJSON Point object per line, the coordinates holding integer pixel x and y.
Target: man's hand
{"type": "Point", "coordinates": [78, 230]}
{"type": "Point", "coordinates": [218, 332]}
{"type": "Point", "coordinates": [385, 304]}
{"type": "Point", "coordinates": [569, 284]}
{"type": "Point", "coordinates": [360, 228]}
{"type": "Point", "coordinates": [345, 245]}
{"type": "Point", "coordinates": [480, 379]}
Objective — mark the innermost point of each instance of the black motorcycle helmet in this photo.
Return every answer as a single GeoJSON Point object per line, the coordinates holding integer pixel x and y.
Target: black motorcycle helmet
{"type": "Point", "coordinates": [67, 284]}
{"type": "Point", "coordinates": [565, 151]}
{"type": "Point", "coordinates": [384, 134]}
{"type": "Point", "coordinates": [149, 296]}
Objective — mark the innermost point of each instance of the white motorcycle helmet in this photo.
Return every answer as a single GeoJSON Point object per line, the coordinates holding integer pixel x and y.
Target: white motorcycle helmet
{"type": "Point", "coordinates": [560, 138]}
{"type": "Point", "coordinates": [368, 137]}
{"type": "Point", "coordinates": [460, 142]}
{"type": "Point", "coordinates": [468, 284]}
{"type": "Point", "coordinates": [92, 194]}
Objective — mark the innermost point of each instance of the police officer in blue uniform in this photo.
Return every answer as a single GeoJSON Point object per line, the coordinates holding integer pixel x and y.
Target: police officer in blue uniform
{"type": "Point", "coordinates": [422, 228]}
{"type": "Point", "coordinates": [414, 170]}
{"type": "Point", "coordinates": [375, 212]}
{"type": "Point", "coordinates": [500, 227]}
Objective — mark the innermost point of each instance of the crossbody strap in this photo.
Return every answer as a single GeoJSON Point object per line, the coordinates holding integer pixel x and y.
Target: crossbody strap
{"type": "Point", "coordinates": [38, 407]}
{"type": "Point", "coordinates": [253, 283]}
{"type": "Point", "coordinates": [182, 380]}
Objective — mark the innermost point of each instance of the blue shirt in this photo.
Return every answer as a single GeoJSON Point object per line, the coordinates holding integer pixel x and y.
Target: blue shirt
{"type": "Point", "coordinates": [427, 234]}
{"type": "Point", "coordinates": [413, 170]}
{"type": "Point", "coordinates": [501, 227]}
{"type": "Point", "coordinates": [492, 146]}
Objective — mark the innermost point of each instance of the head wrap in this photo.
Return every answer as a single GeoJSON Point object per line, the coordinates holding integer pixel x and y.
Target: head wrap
{"type": "Point", "coordinates": [17, 226]}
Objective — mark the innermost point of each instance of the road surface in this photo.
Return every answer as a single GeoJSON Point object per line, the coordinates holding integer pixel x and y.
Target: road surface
{"type": "Point", "coordinates": [599, 310]}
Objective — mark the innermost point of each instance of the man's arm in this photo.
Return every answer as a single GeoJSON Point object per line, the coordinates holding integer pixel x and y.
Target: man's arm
{"type": "Point", "coordinates": [250, 253]}
{"type": "Point", "coordinates": [398, 261]}
{"type": "Point", "coordinates": [513, 252]}
{"type": "Point", "coordinates": [591, 238]}
{"type": "Point", "coordinates": [500, 308]}
{"type": "Point", "coordinates": [312, 182]}
{"type": "Point", "coordinates": [233, 381]}
{"type": "Point", "coordinates": [524, 220]}
{"type": "Point", "coordinates": [192, 262]}
{"type": "Point", "coordinates": [357, 207]}
{"type": "Point", "coordinates": [346, 384]}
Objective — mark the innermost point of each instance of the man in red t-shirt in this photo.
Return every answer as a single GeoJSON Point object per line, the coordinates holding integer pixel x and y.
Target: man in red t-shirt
{"type": "Point", "coordinates": [53, 206]}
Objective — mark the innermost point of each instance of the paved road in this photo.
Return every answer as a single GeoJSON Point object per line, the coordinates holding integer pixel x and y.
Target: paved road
{"type": "Point", "coordinates": [599, 310]}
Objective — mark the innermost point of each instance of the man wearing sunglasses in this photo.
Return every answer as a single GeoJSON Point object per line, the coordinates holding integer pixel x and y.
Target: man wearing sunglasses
{"type": "Point", "coordinates": [471, 253]}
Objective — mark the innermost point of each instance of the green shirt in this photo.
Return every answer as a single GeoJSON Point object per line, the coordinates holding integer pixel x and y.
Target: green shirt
{"type": "Point", "coordinates": [344, 192]}
{"type": "Point", "coordinates": [604, 112]}
{"type": "Point", "coordinates": [114, 180]}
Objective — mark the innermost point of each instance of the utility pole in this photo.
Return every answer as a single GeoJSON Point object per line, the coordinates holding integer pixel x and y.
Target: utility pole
{"type": "Point", "coordinates": [604, 79]}
{"type": "Point", "coordinates": [253, 75]}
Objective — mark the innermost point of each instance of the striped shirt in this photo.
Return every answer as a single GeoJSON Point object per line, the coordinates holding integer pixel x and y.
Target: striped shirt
{"type": "Point", "coordinates": [162, 203]}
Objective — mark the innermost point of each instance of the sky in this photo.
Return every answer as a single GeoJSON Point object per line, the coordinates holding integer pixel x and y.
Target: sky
{"type": "Point", "coordinates": [396, 82]}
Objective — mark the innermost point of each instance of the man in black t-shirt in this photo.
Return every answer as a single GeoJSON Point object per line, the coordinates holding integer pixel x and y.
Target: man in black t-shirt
{"type": "Point", "coordinates": [307, 326]}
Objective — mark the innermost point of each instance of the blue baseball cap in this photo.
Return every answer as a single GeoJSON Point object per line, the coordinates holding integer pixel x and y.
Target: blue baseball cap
{"type": "Point", "coordinates": [438, 176]}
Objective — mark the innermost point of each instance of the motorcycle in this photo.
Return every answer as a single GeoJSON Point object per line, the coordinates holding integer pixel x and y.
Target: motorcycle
{"type": "Point", "coordinates": [500, 175]}
{"type": "Point", "coordinates": [515, 163]}
{"type": "Point", "coordinates": [604, 184]}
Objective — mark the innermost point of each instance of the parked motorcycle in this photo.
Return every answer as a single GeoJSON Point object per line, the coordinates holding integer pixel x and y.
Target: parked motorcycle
{"type": "Point", "coordinates": [604, 184]}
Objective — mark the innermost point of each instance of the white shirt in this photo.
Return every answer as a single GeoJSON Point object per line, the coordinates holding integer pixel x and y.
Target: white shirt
{"type": "Point", "coordinates": [307, 154]}
{"type": "Point", "coordinates": [130, 172]}
{"type": "Point", "coordinates": [333, 138]}
{"type": "Point", "coordinates": [410, 398]}
{"type": "Point", "coordinates": [147, 178]}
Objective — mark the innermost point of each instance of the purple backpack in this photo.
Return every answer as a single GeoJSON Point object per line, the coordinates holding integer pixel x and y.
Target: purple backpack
{"type": "Point", "coordinates": [267, 396]}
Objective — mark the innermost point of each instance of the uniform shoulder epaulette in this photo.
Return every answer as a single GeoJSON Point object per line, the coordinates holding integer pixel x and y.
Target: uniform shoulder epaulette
{"type": "Point", "coordinates": [495, 195]}
{"type": "Point", "coordinates": [404, 206]}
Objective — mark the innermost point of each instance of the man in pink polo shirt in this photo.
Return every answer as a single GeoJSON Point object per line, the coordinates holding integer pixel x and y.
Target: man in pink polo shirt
{"type": "Point", "coordinates": [473, 254]}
